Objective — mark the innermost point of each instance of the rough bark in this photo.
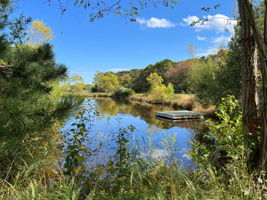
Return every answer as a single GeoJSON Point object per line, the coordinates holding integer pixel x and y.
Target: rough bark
{"type": "Point", "coordinates": [248, 72]}
{"type": "Point", "coordinates": [262, 47]}
{"type": "Point", "coordinates": [263, 159]}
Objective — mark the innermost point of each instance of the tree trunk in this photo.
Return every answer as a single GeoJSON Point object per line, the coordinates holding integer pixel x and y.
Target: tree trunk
{"type": "Point", "coordinates": [262, 47]}
{"type": "Point", "coordinates": [248, 72]}
{"type": "Point", "coordinates": [263, 159]}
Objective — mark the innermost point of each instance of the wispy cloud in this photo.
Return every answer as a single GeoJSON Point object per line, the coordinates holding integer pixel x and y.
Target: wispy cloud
{"type": "Point", "coordinates": [115, 70]}
{"type": "Point", "coordinates": [200, 38]}
{"type": "Point", "coordinates": [221, 39]}
{"type": "Point", "coordinates": [154, 22]}
{"type": "Point", "coordinates": [218, 22]}
{"type": "Point", "coordinates": [208, 51]}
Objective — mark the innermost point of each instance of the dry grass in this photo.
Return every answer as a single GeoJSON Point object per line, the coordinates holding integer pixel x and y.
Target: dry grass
{"type": "Point", "coordinates": [184, 101]}
{"type": "Point", "coordinates": [179, 101]}
{"type": "Point", "coordinates": [209, 110]}
{"type": "Point", "coordinates": [99, 94]}
{"type": "Point", "coordinates": [90, 94]}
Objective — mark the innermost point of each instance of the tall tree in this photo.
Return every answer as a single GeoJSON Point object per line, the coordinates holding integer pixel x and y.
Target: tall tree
{"type": "Point", "coordinates": [246, 8]}
{"type": "Point", "coordinates": [106, 82]}
{"type": "Point", "coordinates": [248, 72]}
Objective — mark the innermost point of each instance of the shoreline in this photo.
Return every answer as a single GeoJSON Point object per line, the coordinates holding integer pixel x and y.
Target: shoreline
{"type": "Point", "coordinates": [180, 101]}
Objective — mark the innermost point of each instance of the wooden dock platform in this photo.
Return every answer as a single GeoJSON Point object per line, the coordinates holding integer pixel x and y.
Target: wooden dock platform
{"type": "Point", "coordinates": [180, 115]}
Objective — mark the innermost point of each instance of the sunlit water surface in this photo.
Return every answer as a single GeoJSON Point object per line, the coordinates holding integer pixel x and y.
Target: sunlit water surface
{"type": "Point", "coordinates": [150, 133]}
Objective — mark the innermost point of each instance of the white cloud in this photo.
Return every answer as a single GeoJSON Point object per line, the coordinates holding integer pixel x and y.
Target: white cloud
{"type": "Point", "coordinates": [115, 70]}
{"type": "Point", "coordinates": [218, 22]}
{"type": "Point", "coordinates": [221, 39]}
{"type": "Point", "coordinates": [154, 22]}
{"type": "Point", "coordinates": [200, 38]}
{"type": "Point", "coordinates": [189, 20]}
{"type": "Point", "coordinates": [210, 50]}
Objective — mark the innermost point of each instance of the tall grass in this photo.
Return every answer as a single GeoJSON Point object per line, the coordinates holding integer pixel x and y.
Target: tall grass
{"type": "Point", "coordinates": [160, 181]}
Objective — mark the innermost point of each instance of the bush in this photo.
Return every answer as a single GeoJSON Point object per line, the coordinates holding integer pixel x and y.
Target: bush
{"type": "Point", "coordinates": [158, 91]}
{"type": "Point", "coordinates": [123, 93]}
{"type": "Point", "coordinates": [223, 143]}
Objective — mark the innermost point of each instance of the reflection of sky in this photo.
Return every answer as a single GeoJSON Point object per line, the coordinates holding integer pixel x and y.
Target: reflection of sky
{"type": "Point", "coordinates": [105, 128]}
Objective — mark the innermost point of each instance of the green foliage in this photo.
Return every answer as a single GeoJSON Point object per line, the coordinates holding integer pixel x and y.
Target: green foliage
{"type": "Point", "coordinates": [25, 88]}
{"type": "Point", "coordinates": [123, 93]}
{"type": "Point", "coordinates": [154, 80]}
{"type": "Point", "coordinates": [19, 29]}
{"type": "Point", "coordinates": [140, 83]}
{"type": "Point", "coordinates": [229, 74]}
{"type": "Point", "coordinates": [106, 82]}
{"type": "Point", "coordinates": [170, 90]}
{"type": "Point", "coordinates": [2, 62]}
{"type": "Point", "coordinates": [217, 75]}
{"type": "Point", "coordinates": [158, 91]}
{"type": "Point", "coordinates": [125, 79]}
{"type": "Point", "coordinates": [75, 139]}
{"type": "Point", "coordinates": [225, 142]}
{"type": "Point", "coordinates": [32, 101]}
{"type": "Point", "coordinates": [177, 75]}
{"type": "Point", "coordinates": [201, 80]}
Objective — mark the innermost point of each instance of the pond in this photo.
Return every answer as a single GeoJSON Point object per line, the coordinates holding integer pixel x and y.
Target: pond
{"type": "Point", "coordinates": [108, 116]}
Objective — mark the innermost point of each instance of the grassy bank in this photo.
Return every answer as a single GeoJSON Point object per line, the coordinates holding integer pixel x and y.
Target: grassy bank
{"type": "Point", "coordinates": [179, 101]}
{"type": "Point", "coordinates": [160, 182]}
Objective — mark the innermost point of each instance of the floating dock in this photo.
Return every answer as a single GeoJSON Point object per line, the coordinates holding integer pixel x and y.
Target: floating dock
{"type": "Point", "coordinates": [179, 115]}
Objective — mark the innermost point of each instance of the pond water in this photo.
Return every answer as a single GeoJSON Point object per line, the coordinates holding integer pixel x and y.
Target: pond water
{"type": "Point", "coordinates": [110, 115]}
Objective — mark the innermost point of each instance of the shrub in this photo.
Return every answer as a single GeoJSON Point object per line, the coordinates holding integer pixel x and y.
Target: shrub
{"type": "Point", "coordinates": [223, 143]}
{"type": "Point", "coordinates": [158, 91]}
{"type": "Point", "coordinates": [123, 93]}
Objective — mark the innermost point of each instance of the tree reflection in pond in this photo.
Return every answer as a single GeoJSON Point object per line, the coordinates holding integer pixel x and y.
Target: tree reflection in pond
{"type": "Point", "coordinates": [150, 132]}
{"type": "Point", "coordinates": [146, 112]}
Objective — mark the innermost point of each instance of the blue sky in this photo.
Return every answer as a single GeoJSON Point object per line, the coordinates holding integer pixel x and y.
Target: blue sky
{"type": "Point", "coordinates": [114, 43]}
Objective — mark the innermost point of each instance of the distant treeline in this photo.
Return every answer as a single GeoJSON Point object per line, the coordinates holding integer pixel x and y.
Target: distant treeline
{"type": "Point", "coordinates": [210, 78]}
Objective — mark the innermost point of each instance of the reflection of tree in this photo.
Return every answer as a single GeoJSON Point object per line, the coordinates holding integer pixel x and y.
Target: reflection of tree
{"type": "Point", "coordinates": [106, 106]}
{"type": "Point", "coordinates": [146, 112]}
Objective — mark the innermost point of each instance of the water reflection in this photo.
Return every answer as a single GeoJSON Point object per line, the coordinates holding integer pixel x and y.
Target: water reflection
{"type": "Point", "coordinates": [146, 112]}
{"type": "Point", "coordinates": [150, 132]}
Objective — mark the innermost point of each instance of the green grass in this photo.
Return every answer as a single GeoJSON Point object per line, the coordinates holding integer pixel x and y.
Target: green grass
{"type": "Point", "coordinates": [159, 181]}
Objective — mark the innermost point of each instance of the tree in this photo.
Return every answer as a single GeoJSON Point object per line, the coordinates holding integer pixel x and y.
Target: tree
{"type": "Point", "coordinates": [248, 72]}
{"type": "Point", "coordinates": [25, 88]}
{"type": "Point", "coordinates": [140, 83]}
{"type": "Point", "coordinates": [192, 50]}
{"type": "Point", "coordinates": [201, 80]}
{"type": "Point", "coordinates": [106, 82]}
{"type": "Point", "coordinates": [39, 33]}
{"type": "Point", "coordinates": [249, 26]}
{"type": "Point", "coordinates": [154, 80]}
{"type": "Point", "coordinates": [126, 80]}
{"type": "Point", "coordinates": [177, 75]}
{"type": "Point", "coordinates": [158, 91]}
{"type": "Point", "coordinates": [76, 83]}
